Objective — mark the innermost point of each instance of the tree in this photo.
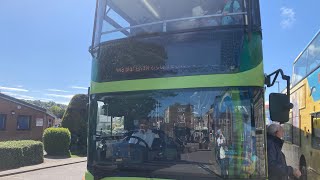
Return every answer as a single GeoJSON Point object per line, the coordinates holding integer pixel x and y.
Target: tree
{"type": "Point", "coordinates": [57, 111]}
{"type": "Point", "coordinates": [75, 119]}
{"type": "Point", "coordinates": [46, 105]}
{"type": "Point", "coordinates": [131, 59]}
{"type": "Point", "coordinates": [134, 107]}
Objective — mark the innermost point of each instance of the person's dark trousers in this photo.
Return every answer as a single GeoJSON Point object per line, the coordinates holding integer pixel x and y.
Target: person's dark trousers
{"type": "Point", "coordinates": [224, 166]}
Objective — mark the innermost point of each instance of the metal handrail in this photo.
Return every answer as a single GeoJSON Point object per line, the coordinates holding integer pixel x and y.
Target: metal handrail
{"type": "Point", "coordinates": [164, 22]}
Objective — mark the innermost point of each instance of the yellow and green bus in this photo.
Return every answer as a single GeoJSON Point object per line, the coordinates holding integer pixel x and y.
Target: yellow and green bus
{"type": "Point", "coordinates": [177, 90]}
{"type": "Point", "coordinates": [303, 130]}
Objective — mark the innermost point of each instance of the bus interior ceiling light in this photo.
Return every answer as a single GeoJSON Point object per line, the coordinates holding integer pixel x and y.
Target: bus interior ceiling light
{"type": "Point", "coordinates": [151, 9]}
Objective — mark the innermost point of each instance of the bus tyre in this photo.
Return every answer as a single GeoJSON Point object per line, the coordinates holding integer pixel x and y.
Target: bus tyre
{"type": "Point", "coordinates": [304, 172]}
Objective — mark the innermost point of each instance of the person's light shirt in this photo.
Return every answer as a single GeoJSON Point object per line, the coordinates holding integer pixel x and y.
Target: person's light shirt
{"type": "Point", "coordinates": [220, 141]}
{"type": "Point", "coordinates": [147, 136]}
{"type": "Point", "coordinates": [222, 153]}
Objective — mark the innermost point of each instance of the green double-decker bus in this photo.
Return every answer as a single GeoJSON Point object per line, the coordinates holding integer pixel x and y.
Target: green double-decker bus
{"type": "Point", "coordinates": [177, 90]}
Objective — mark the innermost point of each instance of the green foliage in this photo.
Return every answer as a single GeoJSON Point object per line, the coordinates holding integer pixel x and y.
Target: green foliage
{"type": "Point", "coordinates": [129, 105]}
{"type": "Point", "coordinates": [14, 154]}
{"type": "Point", "coordinates": [57, 111]}
{"type": "Point", "coordinates": [79, 101]}
{"type": "Point", "coordinates": [46, 105]}
{"type": "Point", "coordinates": [75, 119]}
{"type": "Point", "coordinates": [57, 141]}
{"type": "Point", "coordinates": [72, 120]}
{"type": "Point", "coordinates": [128, 53]}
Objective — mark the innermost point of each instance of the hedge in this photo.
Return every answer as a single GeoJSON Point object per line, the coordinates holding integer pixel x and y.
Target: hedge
{"type": "Point", "coordinates": [57, 141]}
{"type": "Point", "coordinates": [75, 119]}
{"type": "Point", "coordinates": [14, 154]}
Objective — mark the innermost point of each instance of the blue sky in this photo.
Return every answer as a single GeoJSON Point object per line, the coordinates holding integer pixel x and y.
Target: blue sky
{"type": "Point", "coordinates": [44, 48]}
{"type": "Point", "coordinates": [288, 26]}
{"type": "Point", "coordinates": [44, 44]}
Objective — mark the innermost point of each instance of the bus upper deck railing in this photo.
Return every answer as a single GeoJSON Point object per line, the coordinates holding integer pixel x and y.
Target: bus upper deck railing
{"type": "Point", "coordinates": [164, 22]}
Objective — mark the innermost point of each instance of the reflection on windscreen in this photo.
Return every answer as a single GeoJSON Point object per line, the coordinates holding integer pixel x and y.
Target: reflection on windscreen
{"type": "Point", "coordinates": [109, 126]}
{"type": "Point", "coordinates": [171, 55]}
{"type": "Point", "coordinates": [203, 133]}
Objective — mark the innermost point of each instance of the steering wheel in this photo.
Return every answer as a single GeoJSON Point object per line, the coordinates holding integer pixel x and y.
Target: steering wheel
{"type": "Point", "coordinates": [139, 140]}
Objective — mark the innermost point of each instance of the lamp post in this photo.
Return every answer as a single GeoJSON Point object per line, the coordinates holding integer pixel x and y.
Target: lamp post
{"type": "Point", "coordinates": [278, 86]}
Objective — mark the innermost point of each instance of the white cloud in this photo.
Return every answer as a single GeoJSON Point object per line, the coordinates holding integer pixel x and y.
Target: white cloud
{"type": "Point", "coordinates": [59, 95]}
{"type": "Point", "coordinates": [287, 17]}
{"type": "Point", "coordinates": [65, 103]}
{"type": "Point", "coordinates": [19, 86]}
{"type": "Point", "coordinates": [57, 90]}
{"type": "Point", "coordinates": [314, 50]}
{"type": "Point", "coordinates": [18, 96]}
{"type": "Point", "coordinates": [296, 77]}
{"type": "Point", "coordinates": [45, 99]}
{"type": "Point", "coordinates": [24, 97]}
{"type": "Point", "coordinates": [9, 93]}
{"type": "Point", "coordinates": [79, 87]}
{"type": "Point", "coordinates": [13, 89]}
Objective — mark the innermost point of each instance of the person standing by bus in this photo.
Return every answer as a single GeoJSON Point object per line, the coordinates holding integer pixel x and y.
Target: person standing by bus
{"type": "Point", "coordinates": [222, 155]}
{"type": "Point", "coordinates": [278, 169]}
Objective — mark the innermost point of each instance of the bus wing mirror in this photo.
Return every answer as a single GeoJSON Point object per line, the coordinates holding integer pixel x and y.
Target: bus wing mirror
{"type": "Point", "coordinates": [279, 107]}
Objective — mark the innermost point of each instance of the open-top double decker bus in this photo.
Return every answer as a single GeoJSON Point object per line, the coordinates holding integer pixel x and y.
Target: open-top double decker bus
{"type": "Point", "coordinates": [186, 72]}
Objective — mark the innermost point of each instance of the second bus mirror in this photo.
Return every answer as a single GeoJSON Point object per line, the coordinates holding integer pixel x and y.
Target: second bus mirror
{"type": "Point", "coordinates": [279, 107]}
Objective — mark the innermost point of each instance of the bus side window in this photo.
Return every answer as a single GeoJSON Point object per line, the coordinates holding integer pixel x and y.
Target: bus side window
{"type": "Point", "coordinates": [315, 137]}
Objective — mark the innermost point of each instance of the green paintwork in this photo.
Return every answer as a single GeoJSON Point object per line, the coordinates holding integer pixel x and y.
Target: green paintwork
{"type": "Point", "coordinates": [253, 77]}
{"type": "Point", "coordinates": [251, 52]}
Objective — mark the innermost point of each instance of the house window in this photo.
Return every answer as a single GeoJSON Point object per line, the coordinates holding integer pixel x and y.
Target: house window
{"type": "Point", "coordinates": [3, 118]}
{"type": "Point", "coordinates": [50, 123]}
{"type": "Point", "coordinates": [23, 122]}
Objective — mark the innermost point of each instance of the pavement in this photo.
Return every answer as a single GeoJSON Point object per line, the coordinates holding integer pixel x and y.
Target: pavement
{"type": "Point", "coordinates": [49, 162]}
{"type": "Point", "coordinates": [67, 172]}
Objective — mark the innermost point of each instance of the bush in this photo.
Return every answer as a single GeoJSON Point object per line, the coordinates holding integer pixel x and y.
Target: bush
{"type": "Point", "coordinates": [14, 154]}
{"type": "Point", "coordinates": [75, 119]}
{"type": "Point", "coordinates": [57, 141]}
